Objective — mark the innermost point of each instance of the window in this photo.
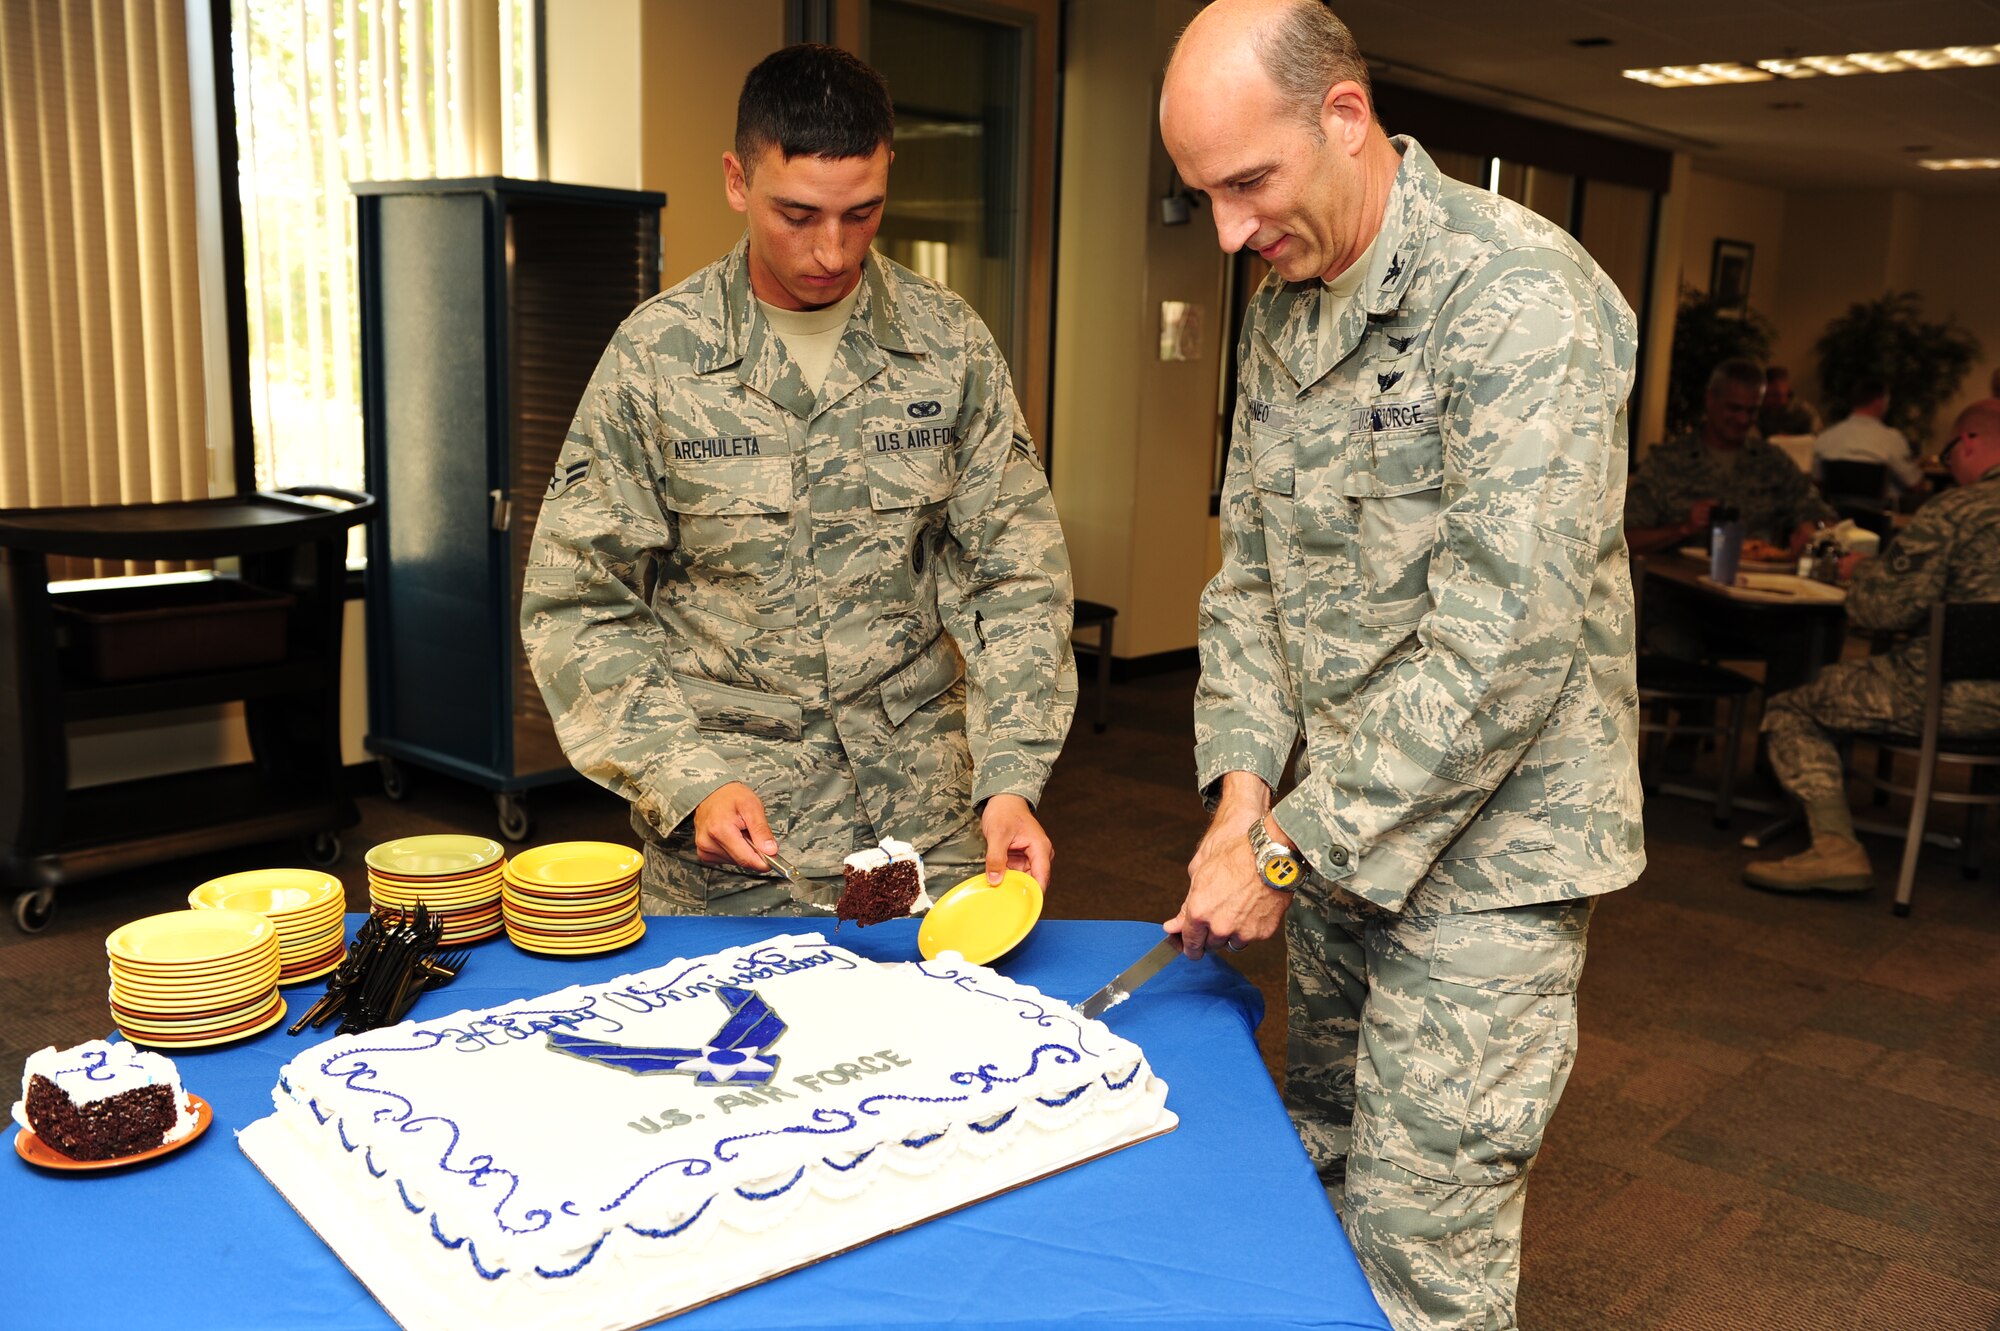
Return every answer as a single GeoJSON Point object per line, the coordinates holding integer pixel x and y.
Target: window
{"type": "Point", "coordinates": [333, 91]}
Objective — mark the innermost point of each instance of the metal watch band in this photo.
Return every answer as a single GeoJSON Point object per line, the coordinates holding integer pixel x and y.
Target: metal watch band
{"type": "Point", "coordinates": [1264, 851]}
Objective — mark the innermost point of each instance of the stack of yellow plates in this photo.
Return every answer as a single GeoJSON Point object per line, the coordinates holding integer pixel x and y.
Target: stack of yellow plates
{"type": "Point", "coordinates": [456, 877]}
{"type": "Point", "coordinates": [573, 898]}
{"type": "Point", "coordinates": [308, 907]}
{"type": "Point", "coordinates": [191, 978]}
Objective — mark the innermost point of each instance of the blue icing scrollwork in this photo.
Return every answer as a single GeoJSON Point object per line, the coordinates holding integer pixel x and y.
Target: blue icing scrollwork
{"type": "Point", "coordinates": [851, 1164]}
{"type": "Point", "coordinates": [581, 1262]}
{"type": "Point", "coordinates": [845, 1121]}
{"type": "Point", "coordinates": [669, 1233]}
{"type": "Point", "coordinates": [1061, 1100]}
{"type": "Point", "coordinates": [1060, 1054]}
{"type": "Point", "coordinates": [778, 1191]}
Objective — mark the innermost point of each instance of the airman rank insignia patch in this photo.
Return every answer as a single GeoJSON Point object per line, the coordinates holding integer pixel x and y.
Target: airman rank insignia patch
{"type": "Point", "coordinates": [567, 478]}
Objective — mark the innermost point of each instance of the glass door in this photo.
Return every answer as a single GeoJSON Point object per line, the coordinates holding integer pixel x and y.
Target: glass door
{"type": "Point", "coordinates": [970, 196]}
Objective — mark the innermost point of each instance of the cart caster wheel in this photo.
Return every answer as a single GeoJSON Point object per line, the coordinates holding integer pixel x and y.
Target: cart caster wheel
{"type": "Point", "coordinates": [33, 910]}
{"type": "Point", "coordinates": [323, 851]}
{"type": "Point", "coordinates": [395, 780]}
{"type": "Point", "coordinates": [514, 823]}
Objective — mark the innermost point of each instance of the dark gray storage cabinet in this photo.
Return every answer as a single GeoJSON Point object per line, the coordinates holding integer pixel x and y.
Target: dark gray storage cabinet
{"type": "Point", "coordinates": [485, 305]}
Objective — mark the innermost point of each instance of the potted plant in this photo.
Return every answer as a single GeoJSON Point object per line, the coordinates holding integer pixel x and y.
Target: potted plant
{"type": "Point", "coordinates": [1888, 338]}
{"type": "Point", "coordinates": [1706, 333]}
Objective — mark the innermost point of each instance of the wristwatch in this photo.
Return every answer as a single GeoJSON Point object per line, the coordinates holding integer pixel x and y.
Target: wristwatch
{"type": "Point", "coordinates": [1277, 863]}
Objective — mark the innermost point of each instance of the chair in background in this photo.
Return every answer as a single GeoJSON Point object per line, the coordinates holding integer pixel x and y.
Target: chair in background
{"type": "Point", "coordinates": [1671, 691]}
{"type": "Point", "coordinates": [1097, 615]}
{"type": "Point", "coordinates": [1855, 481]}
{"type": "Point", "coordinates": [1964, 645]}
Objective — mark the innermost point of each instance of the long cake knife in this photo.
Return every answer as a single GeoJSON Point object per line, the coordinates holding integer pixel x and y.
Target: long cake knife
{"type": "Point", "coordinates": [1145, 968]}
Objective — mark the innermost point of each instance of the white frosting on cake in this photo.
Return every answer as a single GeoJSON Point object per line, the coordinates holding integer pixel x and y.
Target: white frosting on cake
{"type": "Point", "coordinates": [96, 1070]}
{"type": "Point", "coordinates": [796, 1100]}
{"type": "Point", "coordinates": [871, 858]}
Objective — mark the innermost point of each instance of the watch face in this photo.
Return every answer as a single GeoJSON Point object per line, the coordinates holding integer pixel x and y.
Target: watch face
{"type": "Point", "coordinates": [1281, 871]}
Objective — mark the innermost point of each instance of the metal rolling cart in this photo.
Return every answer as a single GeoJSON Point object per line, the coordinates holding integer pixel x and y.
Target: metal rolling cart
{"type": "Point", "coordinates": [267, 634]}
{"type": "Point", "coordinates": [485, 305]}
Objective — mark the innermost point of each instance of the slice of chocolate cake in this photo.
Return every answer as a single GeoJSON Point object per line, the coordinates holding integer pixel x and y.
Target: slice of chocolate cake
{"type": "Point", "coordinates": [884, 882]}
{"type": "Point", "coordinates": [102, 1101]}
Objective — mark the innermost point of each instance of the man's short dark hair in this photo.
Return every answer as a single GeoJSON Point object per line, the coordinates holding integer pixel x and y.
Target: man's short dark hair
{"type": "Point", "coordinates": [813, 101]}
{"type": "Point", "coordinates": [1867, 389]}
{"type": "Point", "coordinates": [1739, 370]}
{"type": "Point", "coordinates": [1777, 374]}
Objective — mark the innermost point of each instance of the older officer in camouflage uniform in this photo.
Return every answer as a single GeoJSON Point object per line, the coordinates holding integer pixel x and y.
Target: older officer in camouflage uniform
{"type": "Point", "coordinates": [1949, 552]}
{"type": "Point", "coordinates": [1424, 576]}
{"type": "Point", "coordinates": [1680, 482]}
{"type": "Point", "coordinates": [798, 578]}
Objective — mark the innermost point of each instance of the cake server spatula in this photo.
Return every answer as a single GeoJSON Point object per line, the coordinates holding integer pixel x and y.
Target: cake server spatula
{"type": "Point", "coordinates": [787, 868]}
{"type": "Point", "coordinates": [1121, 987]}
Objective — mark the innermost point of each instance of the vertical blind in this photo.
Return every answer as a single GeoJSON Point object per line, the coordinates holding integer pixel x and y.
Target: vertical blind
{"type": "Point", "coordinates": [333, 91]}
{"type": "Point", "coordinates": [100, 335]}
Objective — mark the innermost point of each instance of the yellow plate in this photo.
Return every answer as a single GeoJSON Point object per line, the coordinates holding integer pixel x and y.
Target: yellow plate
{"type": "Point", "coordinates": [277, 892]}
{"type": "Point", "coordinates": [182, 937]}
{"type": "Point", "coordinates": [438, 855]}
{"type": "Point", "coordinates": [277, 1015]}
{"type": "Point", "coordinates": [199, 977]}
{"type": "Point", "coordinates": [574, 864]}
{"type": "Point", "coordinates": [981, 920]}
{"type": "Point", "coordinates": [631, 933]}
{"type": "Point", "coordinates": [571, 906]}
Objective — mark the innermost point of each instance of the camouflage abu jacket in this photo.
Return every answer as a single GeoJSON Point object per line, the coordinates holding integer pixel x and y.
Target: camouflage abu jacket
{"type": "Point", "coordinates": [734, 580]}
{"type": "Point", "coordinates": [1949, 552]}
{"type": "Point", "coordinates": [1424, 571]}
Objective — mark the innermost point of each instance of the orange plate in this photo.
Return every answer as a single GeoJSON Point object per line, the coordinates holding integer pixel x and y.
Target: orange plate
{"type": "Point", "coordinates": [38, 1152]}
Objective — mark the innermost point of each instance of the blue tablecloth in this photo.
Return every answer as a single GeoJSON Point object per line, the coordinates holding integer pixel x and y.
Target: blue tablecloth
{"type": "Point", "coordinates": [1218, 1224]}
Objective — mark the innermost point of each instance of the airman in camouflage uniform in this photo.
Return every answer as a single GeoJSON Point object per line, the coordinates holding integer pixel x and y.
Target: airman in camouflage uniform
{"type": "Point", "coordinates": [1725, 462]}
{"type": "Point", "coordinates": [1949, 552]}
{"type": "Point", "coordinates": [854, 601]}
{"type": "Point", "coordinates": [1425, 581]}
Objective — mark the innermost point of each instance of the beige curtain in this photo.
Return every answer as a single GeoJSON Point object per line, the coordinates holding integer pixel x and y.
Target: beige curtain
{"type": "Point", "coordinates": [100, 339]}
{"type": "Point", "coordinates": [328, 92]}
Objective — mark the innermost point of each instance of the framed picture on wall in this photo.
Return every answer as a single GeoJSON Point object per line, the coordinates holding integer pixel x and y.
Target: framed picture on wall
{"type": "Point", "coordinates": [1729, 273]}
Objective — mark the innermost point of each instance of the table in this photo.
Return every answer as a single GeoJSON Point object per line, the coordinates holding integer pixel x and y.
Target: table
{"type": "Point", "coordinates": [1221, 1223]}
{"type": "Point", "coordinates": [1793, 640]}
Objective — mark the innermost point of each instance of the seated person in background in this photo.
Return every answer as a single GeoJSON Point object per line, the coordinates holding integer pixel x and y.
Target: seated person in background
{"type": "Point", "coordinates": [1949, 552]}
{"type": "Point", "coordinates": [1680, 482]}
{"type": "Point", "coordinates": [1783, 413]}
{"type": "Point", "coordinates": [1862, 437]}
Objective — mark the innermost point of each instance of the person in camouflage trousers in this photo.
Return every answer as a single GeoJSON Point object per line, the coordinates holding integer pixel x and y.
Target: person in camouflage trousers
{"type": "Point", "coordinates": [798, 579]}
{"type": "Point", "coordinates": [1949, 552]}
{"type": "Point", "coordinates": [1425, 581]}
{"type": "Point", "coordinates": [1679, 483]}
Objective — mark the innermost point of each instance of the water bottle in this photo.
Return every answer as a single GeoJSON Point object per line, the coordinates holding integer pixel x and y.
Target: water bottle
{"type": "Point", "coordinates": [1725, 545]}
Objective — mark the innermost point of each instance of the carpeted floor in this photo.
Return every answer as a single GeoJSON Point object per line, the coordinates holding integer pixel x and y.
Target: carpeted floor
{"type": "Point", "coordinates": [1781, 1117]}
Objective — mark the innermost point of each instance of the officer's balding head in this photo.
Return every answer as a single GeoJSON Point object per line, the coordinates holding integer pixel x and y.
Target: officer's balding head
{"type": "Point", "coordinates": [1974, 449]}
{"type": "Point", "coordinates": [809, 100]}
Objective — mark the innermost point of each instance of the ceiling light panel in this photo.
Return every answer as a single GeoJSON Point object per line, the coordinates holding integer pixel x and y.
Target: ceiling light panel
{"type": "Point", "coordinates": [1815, 66]}
{"type": "Point", "coordinates": [1960, 164]}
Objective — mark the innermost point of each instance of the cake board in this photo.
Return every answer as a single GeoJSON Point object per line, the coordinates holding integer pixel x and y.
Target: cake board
{"type": "Point", "coordinates": [413, 1282]}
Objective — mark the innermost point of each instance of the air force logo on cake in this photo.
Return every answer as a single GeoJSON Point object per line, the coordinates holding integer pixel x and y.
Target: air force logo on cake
{"type": "Point", "coordinates": [740, 1051]}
